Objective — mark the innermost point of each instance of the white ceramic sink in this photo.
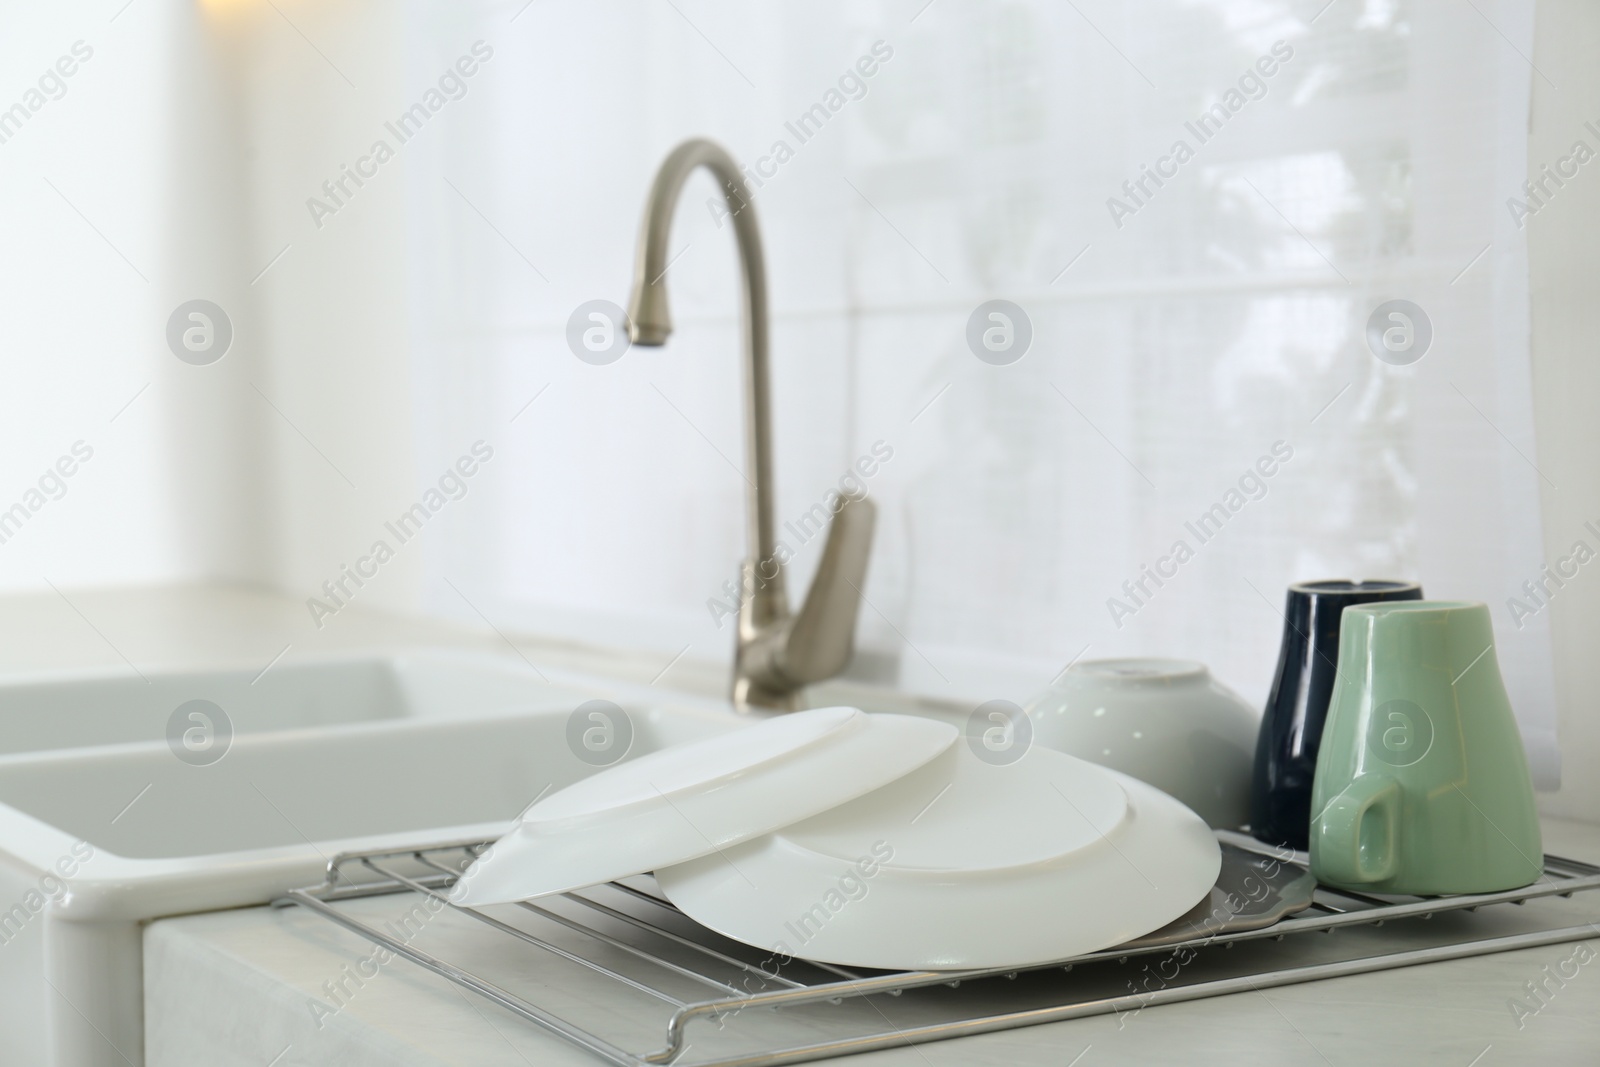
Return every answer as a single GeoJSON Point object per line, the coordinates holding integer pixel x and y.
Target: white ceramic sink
{"type": "Point", "coordinates": [55, 711]}
{"type": "Point", "coordinates": [94, 841]}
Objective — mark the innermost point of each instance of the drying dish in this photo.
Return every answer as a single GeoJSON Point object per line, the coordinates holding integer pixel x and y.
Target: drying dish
{"type": "Point", "coordinates": [1253, 891]}
{"type": "Point", "coordinates": [691, 800]}
{"type": "Point", "coordinates": [1163, 721]}
{"type": "Point", "coordinates": [962, 864]}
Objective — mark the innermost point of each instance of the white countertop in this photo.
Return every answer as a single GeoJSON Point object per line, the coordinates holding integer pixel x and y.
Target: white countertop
{"type": "Point", "coordinates": [238, 987]}
{"type": "Point", "coordinates": [201, 969]}
{"type": "Point", "coordinates": [206, 626]}
{"type": "Point", "coordinates": [223, 626]}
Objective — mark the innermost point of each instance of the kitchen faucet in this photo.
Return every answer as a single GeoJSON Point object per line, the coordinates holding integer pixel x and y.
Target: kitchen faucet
{"type": "Point", "coordinates": [776, 653]}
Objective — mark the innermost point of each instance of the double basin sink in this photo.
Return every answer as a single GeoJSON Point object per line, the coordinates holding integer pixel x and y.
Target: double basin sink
{"type": "Point", "coordinates": [106, 824]}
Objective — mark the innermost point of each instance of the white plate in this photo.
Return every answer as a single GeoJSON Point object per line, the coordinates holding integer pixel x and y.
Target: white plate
{"type": "Point", "coordinates": [691, 800]}
{"type": "Point", "coordinates": [962, 864]}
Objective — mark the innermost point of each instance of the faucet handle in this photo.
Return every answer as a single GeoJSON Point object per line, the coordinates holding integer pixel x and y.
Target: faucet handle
{"type": "Point", "coordinates": [822, 637]}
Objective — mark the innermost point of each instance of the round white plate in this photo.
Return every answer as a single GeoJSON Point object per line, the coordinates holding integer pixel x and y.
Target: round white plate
{"type": "Point", "coordinates": [962, 864]}
{"type": "Point", "coordinates": [691, 800]}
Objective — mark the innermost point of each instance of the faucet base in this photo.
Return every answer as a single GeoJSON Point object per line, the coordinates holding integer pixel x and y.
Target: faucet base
{"type": "Point", "coordinates": [750, 695]}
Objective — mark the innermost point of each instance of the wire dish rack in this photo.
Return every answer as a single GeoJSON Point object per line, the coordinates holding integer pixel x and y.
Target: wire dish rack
{"type": "Point", "coordinates": [617, 965]}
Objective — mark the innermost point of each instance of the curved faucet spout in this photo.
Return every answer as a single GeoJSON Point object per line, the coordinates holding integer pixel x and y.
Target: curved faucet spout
{"type": "Point", "coordinates": [650, 323]}
{"type": "Point", "coordinates": [776, 654]}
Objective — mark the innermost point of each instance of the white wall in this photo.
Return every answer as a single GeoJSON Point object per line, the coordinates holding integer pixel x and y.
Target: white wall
{"type": "Point", "coordinates": [1564, 261]}
{"type": "Point", "coordinates": [190, 142]}
{"type": "Point", "coordinates": [84, 294]}
{"type": "Point", "coordinates": [333, 309]}
{"type": "Point", "coordinates": [1228, 315]}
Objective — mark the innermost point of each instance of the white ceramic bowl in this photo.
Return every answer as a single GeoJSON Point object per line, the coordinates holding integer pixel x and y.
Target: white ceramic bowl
{"type": "Point", "coordinates": [1166, 722]}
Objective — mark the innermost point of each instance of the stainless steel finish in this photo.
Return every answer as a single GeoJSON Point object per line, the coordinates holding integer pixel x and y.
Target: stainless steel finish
{"type": "Point", "coordinates": [776, 654]}
{"type": "Point", "coordinates": [1252, 891]}
{"type": "Point", "coordinates": [763, 1013]}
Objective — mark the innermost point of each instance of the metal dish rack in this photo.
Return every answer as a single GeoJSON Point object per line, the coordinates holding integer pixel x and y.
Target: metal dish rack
{"type": "Point", "coordinates": [738, 1009]}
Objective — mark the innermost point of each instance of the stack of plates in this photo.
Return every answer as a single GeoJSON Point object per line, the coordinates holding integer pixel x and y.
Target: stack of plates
{"type": "Point", "coordinates": [872, 841]}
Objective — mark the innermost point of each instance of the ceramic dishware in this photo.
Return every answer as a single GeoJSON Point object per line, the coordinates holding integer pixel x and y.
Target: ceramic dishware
{"type": "Point", "coordinates": [1166, 722]}
{"type": "Point", "coordinates": [683, 802]}
{"type": "Point", "coordinates": [1291, 729]}
{"type": "Point", "coordinates": [961, 863]}
{"type": "Point", "coordinates": [1422, 786]}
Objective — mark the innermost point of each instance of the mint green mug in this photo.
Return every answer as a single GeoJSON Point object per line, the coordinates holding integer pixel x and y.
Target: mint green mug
{"type": "Point", "coordinates": [1422, 786]}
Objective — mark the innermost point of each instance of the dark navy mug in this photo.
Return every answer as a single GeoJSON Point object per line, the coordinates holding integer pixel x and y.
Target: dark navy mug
{"type": "Point", "coordinates": [1291, 730]}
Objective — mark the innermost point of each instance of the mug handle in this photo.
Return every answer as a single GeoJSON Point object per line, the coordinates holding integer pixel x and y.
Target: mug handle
{"type": "Point", "coordinates": [1339, 830]}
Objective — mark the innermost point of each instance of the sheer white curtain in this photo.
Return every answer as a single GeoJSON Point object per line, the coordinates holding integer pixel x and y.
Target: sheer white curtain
{"type": "Point", "coordinates": [1192, 331]}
